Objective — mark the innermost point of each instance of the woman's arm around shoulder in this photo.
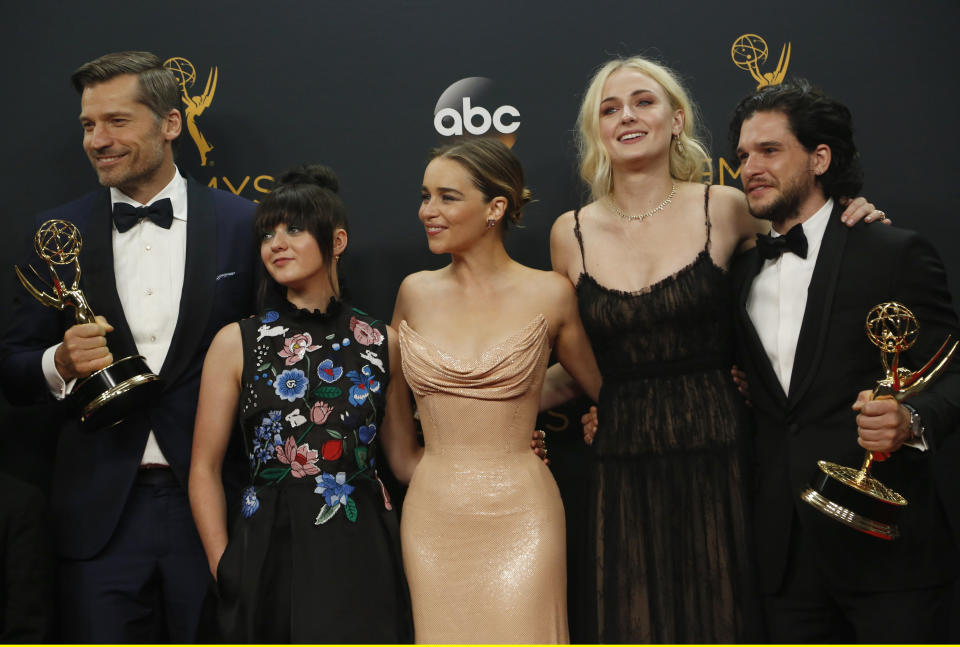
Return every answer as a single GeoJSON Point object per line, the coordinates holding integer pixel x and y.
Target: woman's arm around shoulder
{"type": "Point", "coordinates": [216, 413]}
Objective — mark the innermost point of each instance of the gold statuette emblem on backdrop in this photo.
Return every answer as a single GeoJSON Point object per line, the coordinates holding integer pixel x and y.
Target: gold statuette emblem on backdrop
{"type": "Point", "coordinates": [852, 496]}
{"type": "Point", "coordinates": [750, 51]}
{"type": "Point", "coordinates": [193, 105]}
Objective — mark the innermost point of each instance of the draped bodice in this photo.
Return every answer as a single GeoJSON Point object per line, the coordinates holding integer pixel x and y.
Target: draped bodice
{"type": "Point", "coordinates": [497, 392]}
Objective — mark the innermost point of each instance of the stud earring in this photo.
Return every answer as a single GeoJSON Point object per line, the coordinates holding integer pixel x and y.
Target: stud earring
{"type": "Point", "coordinates": [491, 223]}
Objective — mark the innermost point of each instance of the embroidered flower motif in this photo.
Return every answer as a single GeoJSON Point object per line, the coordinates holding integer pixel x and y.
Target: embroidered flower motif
{"type": "Point", "coordinates": [266, 437]}
{"type": "Point", "coordinates": [366, 433]}
{"type": "Point", "coordinates": [320, 412]}
{"type": "Point", "coordinates": [302, 460]}
{"type": "Point", "coordinates": [364, 333]}
{"type": "Point", "coordinates": [331, 449]}
{"type": "Point", "coordinates": [363, 385]}
{"type": "Point", "coordinates": [294, 418]}
{"type": "Point", "coordinates": [270, 316]}
{"type": "Point", "coordinates": [250, 503]}
{"type": "Point", "coordinates": [291, 384]}
{"type": "Point", "coordinates": [327, 372]}
{"type": "Point", "coordinates": [294, 348]}
{"type": "Point", "coordinates": [334, 488]}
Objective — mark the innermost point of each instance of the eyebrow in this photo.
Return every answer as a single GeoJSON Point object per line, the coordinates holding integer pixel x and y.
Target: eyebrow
{"type": "Point", "coordinates": [441, 189]}
{"type": "Point", "coordinates": [632, 94]}
{"type": "Point", "coordinates": [111, 115]}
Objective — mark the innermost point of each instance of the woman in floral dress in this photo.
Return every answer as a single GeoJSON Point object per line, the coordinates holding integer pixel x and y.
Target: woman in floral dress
{"type": "Point", "coordinates": [313, 555]}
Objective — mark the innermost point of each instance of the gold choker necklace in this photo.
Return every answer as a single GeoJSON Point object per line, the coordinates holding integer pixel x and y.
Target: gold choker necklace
{"type": "Point", "coordinates": [642, 216]}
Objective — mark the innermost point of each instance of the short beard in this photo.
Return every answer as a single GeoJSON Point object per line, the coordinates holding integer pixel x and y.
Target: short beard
{"type": "Point", "coordinates": [784, 208]}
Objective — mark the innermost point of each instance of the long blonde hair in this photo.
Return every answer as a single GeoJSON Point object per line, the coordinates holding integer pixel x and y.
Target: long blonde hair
{"type": "Point", "coordinates": [595, 166]}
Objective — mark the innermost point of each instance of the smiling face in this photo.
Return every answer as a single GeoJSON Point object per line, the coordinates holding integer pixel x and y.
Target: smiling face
{"type": "Point", "coordinates": [778, 173]}
{"type": "Point", "coordinates": [636, 117]}
{"type": "Point", "coordinates": [293, 257]}
{"type": "Point", "coordinates": [128, 145]}
{"type": "Point", "coordinates": [453, 210]}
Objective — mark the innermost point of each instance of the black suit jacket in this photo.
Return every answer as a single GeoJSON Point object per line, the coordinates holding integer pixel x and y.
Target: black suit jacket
{"type": "Point", "coordinates": [856, 269]}
{"type": "Point", "coordinates": [94, 472]}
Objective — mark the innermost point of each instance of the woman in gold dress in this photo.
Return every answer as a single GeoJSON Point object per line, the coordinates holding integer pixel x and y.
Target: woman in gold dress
{"type": "Point", "coordinates": [482, 528]}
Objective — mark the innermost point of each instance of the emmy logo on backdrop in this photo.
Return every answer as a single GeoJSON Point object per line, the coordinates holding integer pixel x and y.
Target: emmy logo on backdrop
{"type": "Point", "coordinates": [852, 496]}
{"type": "Point", "coordinates": [750, 51]}
{"type": "Point", "coordinates": [108, 396]}
{"type": "Point", "coordinates": [193, 106]}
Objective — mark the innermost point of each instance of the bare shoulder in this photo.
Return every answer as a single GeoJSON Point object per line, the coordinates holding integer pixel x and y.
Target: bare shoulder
{"type": "Point", "coordinates": [563, 226]}
{"type": "Point", "coordinates": [415, 289]}
{"type": "Point", "coordinates": [727, 203]}
{"type": "Point", "coordinates": [226, 349]}
{"type": "Point", "coordinates": [550, 287]}
{"type": "Point", "coordinates": [417, 283]}
{"type": "Point", "coordinates": [227, 336]}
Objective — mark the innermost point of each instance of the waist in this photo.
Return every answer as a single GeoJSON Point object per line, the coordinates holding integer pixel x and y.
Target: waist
{"type": "Point", "coordinates": [668, 368]}
{"type": "Point", "coordinates": [156, 476]}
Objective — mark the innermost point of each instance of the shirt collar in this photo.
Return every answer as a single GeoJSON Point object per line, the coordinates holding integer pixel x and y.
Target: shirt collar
{"type": "Point", "coordinates": [176, 190]}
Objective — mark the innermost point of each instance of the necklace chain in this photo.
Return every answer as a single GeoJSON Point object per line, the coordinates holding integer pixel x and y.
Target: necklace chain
{"type": "Point", "coordinates": [643, 216]}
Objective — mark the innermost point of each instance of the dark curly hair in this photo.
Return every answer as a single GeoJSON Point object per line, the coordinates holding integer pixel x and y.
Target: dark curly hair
{"type": "Point", "coordinates": [814, 119]}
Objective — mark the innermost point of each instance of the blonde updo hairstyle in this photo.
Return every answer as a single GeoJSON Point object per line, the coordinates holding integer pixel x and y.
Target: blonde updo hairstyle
{"type": "Point", "coordinates": [494, 170]}
{"type": "Point", "coordinates": [595, 166]}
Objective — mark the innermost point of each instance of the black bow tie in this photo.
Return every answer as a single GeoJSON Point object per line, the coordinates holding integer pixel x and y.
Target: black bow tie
{"type": "Point", "coordinates": [794, 241]}
{"type": "Point", "coordinates": [126, 215]}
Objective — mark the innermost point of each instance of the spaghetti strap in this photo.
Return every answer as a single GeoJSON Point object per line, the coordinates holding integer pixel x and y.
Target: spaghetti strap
{"type": "Point", "coordinates": [706, 215]}
{"type": "Point", "coordinates": [576, 231]}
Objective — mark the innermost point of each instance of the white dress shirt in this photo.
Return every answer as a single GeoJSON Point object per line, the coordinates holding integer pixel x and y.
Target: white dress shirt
{"type": "Point", "coordinates": [778, 297]}
{"type": "Point", "coordinates": [148, 265]}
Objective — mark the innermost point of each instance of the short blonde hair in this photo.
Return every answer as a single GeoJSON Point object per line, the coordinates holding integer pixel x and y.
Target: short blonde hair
{"type": "Point", "coordinates": [595, 166]}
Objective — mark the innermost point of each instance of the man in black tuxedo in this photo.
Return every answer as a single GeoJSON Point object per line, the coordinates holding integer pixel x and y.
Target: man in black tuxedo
{"type": "Point", "coordinates": [166, 263]}
{"type": "Point", "coordinates": [804, 294]}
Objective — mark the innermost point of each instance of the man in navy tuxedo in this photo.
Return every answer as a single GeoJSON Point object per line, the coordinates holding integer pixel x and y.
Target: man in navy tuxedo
{"type": "Point", "coordinates": [804, 293]}
{"type": "Point", "coordinates": [166, 263]}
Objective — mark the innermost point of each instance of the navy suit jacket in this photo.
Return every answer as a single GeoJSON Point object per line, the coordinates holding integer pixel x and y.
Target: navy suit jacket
{"type": "Point", "coordinates": [94, 472]}
{"type": "Point", "coordinates": [856, 269]}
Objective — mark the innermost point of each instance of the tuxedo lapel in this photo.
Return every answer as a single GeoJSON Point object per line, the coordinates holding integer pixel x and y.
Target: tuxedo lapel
{"type": "Point", "coordinates": [753, 263]}
{"type": "Point", "coordinates": [199, 278]}
{"type": "Point", "coordinates": [98, 278]}
{"type": "Point", "coordinates": [816, 314]}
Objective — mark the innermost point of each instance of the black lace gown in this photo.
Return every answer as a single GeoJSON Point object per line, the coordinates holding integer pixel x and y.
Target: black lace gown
{"type": "Point", "coordinates": [673, 563]}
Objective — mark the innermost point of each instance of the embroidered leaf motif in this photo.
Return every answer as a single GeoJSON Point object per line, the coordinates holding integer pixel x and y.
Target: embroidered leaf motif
{"type": "Point", "coordinates": [263, 367]}
{"type": "Point", "coordinates": [351, 510]}
{"type": "Point", "coordinates": [274, 473]}
{"type": "Point", "coordinates": [327, 392]}
{"type": "Point", "coordinates": [334, 433]}
{"type": "Point", "coordinates": [360, 453]}
{"type": "Point", "coordinates": [359, 311]}
{"type": "Point", "coordinates": [331, 335]}
{"type": "Point", "coordinates": [326, 513]}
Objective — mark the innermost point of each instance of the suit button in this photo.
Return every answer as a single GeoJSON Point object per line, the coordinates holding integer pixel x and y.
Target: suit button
{"type": "Point", "coordinates": [793, 428]}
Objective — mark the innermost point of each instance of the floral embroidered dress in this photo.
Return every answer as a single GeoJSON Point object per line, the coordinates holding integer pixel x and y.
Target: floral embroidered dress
{"type": "Point", "coordinates": [314, 555]}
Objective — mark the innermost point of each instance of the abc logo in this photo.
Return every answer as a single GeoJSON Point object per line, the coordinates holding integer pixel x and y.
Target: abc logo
{"type": "Point", "coordinates": [476, 120]}
{"type": "Point", "coordinates": [463, 108]}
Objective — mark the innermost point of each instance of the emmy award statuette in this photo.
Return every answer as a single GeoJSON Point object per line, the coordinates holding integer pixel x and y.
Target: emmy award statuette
{"type": "Point", "coordinates": [108, 396]}
{"type": "Point", "coordinates": [851, 496]}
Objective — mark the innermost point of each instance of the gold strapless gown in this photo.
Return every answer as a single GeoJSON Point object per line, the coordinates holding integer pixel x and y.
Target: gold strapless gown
{"type": "Point", "coordinates": [482, 527]}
